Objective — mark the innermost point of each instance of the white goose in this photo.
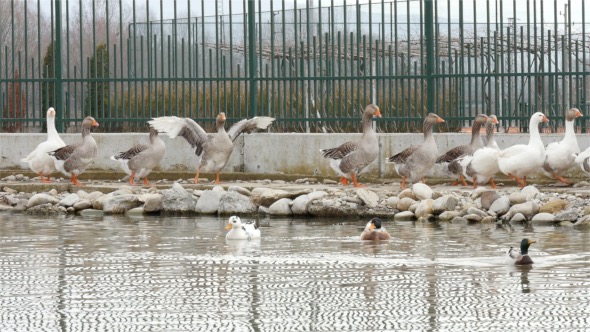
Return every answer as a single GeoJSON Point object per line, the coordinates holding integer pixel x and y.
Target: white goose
{"type": "Point", "coordinates": [520, 160]}
{"type": "Point", "coordinates": [560, 156]}
{"type": "Point", "coordinates": [583, 160]}
{"type": "Point", "coordinates": [480, 167]}
{"type": "Point", "coordinates": [39, 161]}
{"type": "Point", "coordinates": [240, 231]}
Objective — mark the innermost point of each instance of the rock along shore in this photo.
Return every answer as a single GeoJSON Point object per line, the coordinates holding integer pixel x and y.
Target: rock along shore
{"type": "Point", "coordinates": [302, 197]}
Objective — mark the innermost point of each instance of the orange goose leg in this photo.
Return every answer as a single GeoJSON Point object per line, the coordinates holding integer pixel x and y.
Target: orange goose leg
{"type": "Point", "coordinates": [132, 179]}
{"type": "Point", "coordinates": [196, 180]}
{"type": "Point", "coordinates": [463, 180]}
{"type": "Point", "coordinates": [146, 182]}
{"type": "Point", "coordinates": [403, 185]}
{"type": "Point", "coordinates": [74, 180]}
{"type": "Point", "coordinates": [356, 184]}
{"type": "Point", "coordinates": [343, 181]}
{"type": "Point", "coordinates": [44, 179]}
{"type": "Point", "coordinates": [217, 178]}
{"type": "Point", "coordinates": [492, 183]}
{"type": "Point", "coordinates": [561, 178]}
{"type": "Point", "coordinates": [474, 183]}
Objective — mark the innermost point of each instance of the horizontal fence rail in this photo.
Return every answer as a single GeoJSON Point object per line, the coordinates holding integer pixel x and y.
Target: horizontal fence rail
{"type": "Point", "coordinates": [312, 67]}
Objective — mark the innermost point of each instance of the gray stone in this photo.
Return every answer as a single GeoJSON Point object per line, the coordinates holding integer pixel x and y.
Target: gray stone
{"type": "Point", "coordinates": [82, 204]}
{"type": "Point", "coordinates": [177, 199]}
{"type": "Point", "coordinates": [370, 198]}
{"type": "Point", "coordinates": [232, 202]}
{"type": "Point", "coordinates": [477, 192]}
{"type": "Point", "coordinates": [135, 212]}
{"type": "Point", "coordinates": [316, 195]}
{"type": "Point", "coordinates": [218, 189]}
{"type": "Point", "coordinates": [120, 204]}
{"type": "Point", "coordinates": [448, 215]}
{"type": "Point", "coordinates": [404, 216]}
{"type": "Point", "coordinates": [444, 203]}
{"type": "Point", "coordinates": [424, 208]}
{"type": "Point", "coordinates": [459, 220]}
{"type": "Point", "coordinates": [39, 199]}
{"type": "Point", "coordinates": [300, 204]}
{"type": "Point", "coordinates": [477, 211]}
{"type": "Point", "coordinates": [69, 200]}
{"type": "Point", "coordinates": [405, 203]}
{"type": "Point", "coordinates": [488, 220]}
{"type": "Point", "coordinates": [9, 190]}
{"type": "Point", "coordinates": [530, 192]}
{"type": "Point", "coordinates": [569, 215]}
{"type": "Point", "coordinates": [528, 209]}
{"type": "Point", "coordinates": [488, 197]}
{"type": "Point", "coordinates": [269, 196]}
{"type": "Point", "coordinates": [152, 202]}
{"type": "Point", "coordinates": [517, 198]}
{"type": "Point", "coordinates": [98, 203]}
{"type": "Point", "coordinates": [421, 191]}
{"type": "Point", "coordinates": [407, 193]}
{"type": "Point", "coordinates": [517, 218]}
{"type": "Point", "coordinates": [45, 210]}
{"type": "Point", "coordinates": [94, 195]}
{"type": "Point", "coordinates": [391, 202]}
{"type": "Point", "coordinates": [282, 207]}
{"type": "Point", "coordinates": [473, 217]}
{"type": "Point", "coordinates": [543, 217]}
{"type": "Point", "coordinates": [500, 206]}
{"type": "Point", "coordinates": [209, 201]}
{"type": "Point", "coordinates": [53, 192]}
{"type": "Point", "coordinates": [554, 206]}
{"type": "Point", "coordinates": [583, 222]}
{"type": "Point", "coordinates": [91, 213]}
{"type": "Point", "coordinates": [240, 190]}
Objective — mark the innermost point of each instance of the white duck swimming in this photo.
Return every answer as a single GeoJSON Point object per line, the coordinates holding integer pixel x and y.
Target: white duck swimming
{"type": "Point", "coordinates": [520, 160]}
{"type": "Point", "coordinates": [560, 156]}
{"type": "Point", "coordinates": [39, 160]}
{"type": "Point", "coordinates": [480, 167]}
{"type": "Point", "coordinates": [241, 231]}
{"type": "Point", "coordinates": [352, 158]}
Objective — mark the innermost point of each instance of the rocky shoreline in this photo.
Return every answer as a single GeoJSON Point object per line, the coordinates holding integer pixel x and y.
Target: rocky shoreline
{"type": "Point", "coordinates": [307, 197]}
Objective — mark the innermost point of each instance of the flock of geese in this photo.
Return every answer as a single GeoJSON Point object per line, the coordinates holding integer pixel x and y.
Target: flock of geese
{"type": "Point", "coordinates": [475, 162]}
{"type": "Point", "coordinates": [212, 150]}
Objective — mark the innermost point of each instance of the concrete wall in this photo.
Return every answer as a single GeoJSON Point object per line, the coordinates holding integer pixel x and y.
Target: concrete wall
{"type": "Point", "coordinates": [259, 152]}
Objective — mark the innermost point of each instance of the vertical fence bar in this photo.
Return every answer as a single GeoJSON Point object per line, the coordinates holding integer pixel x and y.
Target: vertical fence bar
{"type": "Point", "coordinates": [58, 64]}
{"type": "Point", "coordinates": [429, 39]}
{"type": "Point", "coordinates": [252, 57]}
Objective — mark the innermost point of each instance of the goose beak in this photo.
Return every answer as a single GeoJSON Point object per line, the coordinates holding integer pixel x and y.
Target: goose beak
{"type": "Point", "coordinates": [495, 121]}
{"type": "Point", "coordinates": [579, 114]}
{"type": "Point", "coordinates": [94, 123]}
{"type": "Point", "coordinates": [228, 227]}
{"type": "Point", "coordinates": [545, 119]}
{"type": "Point", "coordinates": [531, 242]}
{"type": "Point", "coordinates": [377, 113]}
{"type": "Point", "coordinates": [440, 120]}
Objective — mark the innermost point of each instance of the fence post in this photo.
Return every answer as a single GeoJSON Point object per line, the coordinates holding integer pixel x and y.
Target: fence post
{"type": "Point", "coordinates": [58, 79]}
{"type": "Point", "coordinates": [429, 39]}
{"type": "Point", "coordinates": [252, 70]}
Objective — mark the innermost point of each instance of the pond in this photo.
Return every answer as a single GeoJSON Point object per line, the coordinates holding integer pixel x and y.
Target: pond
{"type": "Point", "coordinates": [179, 274]}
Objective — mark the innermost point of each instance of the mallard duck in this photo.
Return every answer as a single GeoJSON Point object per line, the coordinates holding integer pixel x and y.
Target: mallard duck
{"type": "Point", "coordinates": [351, 158]}
{"type": "Point", "coordinates": [413, 163]}
{"type": "Point", "coordinates": [450, 159]}
{"type": "Point", "coordinates": [39, 160]}
{"type": "Point", "coordinates": [73, 159]}
{"type": "Point", "coordinates": [560, 156]}
{"type": "Point", "coordinates": [520, 160]}
{"type": "Point", "coordinates": [142, 158]}
{"type": "Point", "coordinates": [241, 231]}
{"type": "Point", "coordinates": [516, 257]}
{"type": "Point", "coordinates": [374, 231]}
{"type": "Point", "coordinates": [480, 167]}
{"type": "Point", "coordinates": [213, 150]}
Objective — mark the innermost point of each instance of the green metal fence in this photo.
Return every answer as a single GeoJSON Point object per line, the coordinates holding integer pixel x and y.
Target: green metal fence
{"type": "Point", "coordinates": [312, 66]}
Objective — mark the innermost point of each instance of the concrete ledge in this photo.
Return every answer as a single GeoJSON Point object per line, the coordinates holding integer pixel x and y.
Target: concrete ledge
{"type": "Point", "coordinates": [260, 153]}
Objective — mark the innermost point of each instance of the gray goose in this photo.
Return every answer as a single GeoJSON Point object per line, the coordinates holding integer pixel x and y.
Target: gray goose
{"type": "Point", "coordinates": [213, 150]}
{"type": "Point", "coordinates": [73, 159]}
{"type": "Point", "coordinates": [450, 159]}
{"type": "Point", "coordinates": [413, 163]}
{"type": "Point", "coordinates": [140, 159]}
{"type": "Point", "coordinates": [353, 157]}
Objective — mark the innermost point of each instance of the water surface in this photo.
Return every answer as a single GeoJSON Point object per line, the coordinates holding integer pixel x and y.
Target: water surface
{"type": "Point", "coordinates": [179, 274]}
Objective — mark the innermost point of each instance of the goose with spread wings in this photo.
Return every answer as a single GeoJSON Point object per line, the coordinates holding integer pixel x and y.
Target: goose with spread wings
{"type": "Point", "coordinates": [212, 149]}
